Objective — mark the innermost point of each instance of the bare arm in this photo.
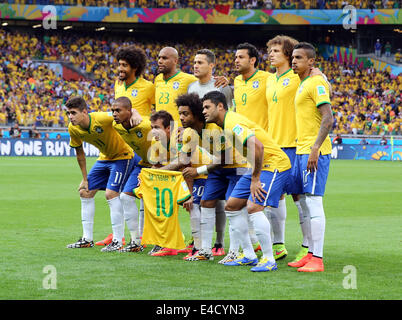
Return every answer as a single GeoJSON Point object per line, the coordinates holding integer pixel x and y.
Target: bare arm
{"type": "Point", "coordinates": [82, 163]}
{"type": "Point", "coordinates": [325, 127]}
{"type": "Point", "coordinates": [257, 154]}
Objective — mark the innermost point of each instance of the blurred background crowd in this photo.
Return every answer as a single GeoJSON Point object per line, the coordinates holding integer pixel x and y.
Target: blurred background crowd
{"type": "Point", "coordinates": [364, 101]}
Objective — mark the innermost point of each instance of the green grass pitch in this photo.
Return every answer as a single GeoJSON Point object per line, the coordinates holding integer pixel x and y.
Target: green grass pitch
{"type": "Point", "coordinates": [40, 215]}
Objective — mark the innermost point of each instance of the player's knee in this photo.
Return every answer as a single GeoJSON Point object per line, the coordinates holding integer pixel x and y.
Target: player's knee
{"type": "Point", "coordinates": [208, 203]}
{"type": "Point", "coordinates": [87, 193]}
{"type": "Point", "coordinates": [253, 207]}
{"type": "Point", "coordinates": [233, 205]}
{"type": "Point", "coordinates": [111, 194]}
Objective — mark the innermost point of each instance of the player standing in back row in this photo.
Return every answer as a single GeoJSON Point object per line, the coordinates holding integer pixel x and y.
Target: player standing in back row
{"type": "Point", "coordinates": [314, 120]}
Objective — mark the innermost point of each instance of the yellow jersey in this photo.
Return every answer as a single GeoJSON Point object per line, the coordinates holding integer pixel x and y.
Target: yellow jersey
{"type": "Point", "coordinates": [102, 135]}
{"type": "Point", "coordinates": [193, 149]}
{"type": "Point", "coordinates": [138, 138]}
{"type": "Point", "coordinates": [162, 192]}
{"type": "Point", "coordinates": [312, 92]}
{"type": "Point", "coordinates": [249, 97]}
{"type": "Point", "coordinates": [164, 152]}
{"type": "Point", "coordinates": [280, 95]}
{"type": "Point", "coordinates": [167, 91]}
{"type": "Point", "coordinates": [239, 129]}
{"type": "Point", "coordinates": [141, 94]}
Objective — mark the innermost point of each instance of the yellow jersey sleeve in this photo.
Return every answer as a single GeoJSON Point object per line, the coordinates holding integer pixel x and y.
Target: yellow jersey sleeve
{"type": "Point", "coordinates": [242, 129]}
{"type": "Point", "coordinates": [102, 135]}
{"type": "Point", "coordinates": [319, 91]}
{"type": "Point", "coordinates": [139, 138]}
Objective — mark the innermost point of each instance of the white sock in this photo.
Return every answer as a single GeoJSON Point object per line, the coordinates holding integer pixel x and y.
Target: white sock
{"type": "Point", "coordinates": [240, 228]}
{"type": "Point", "coordinates": [234, 242]}
{"type": "Point", "coordinates": [130, 215]}
{"type": "Point", "coordinates": [263, 232]}
{"type": "Point", "coordinates": [317, 222]}
{"type": "Point", "coordinates": [207, 227]}
{"type": "Point", "coordinates": [278, 221]}
{"type": "Point", "coordinates": [195, 221]}
{"type": "Point", "coordinates": [141, 218]}
{"type": "Point", "coordinates": [117, 218]}
{"type": "Point", "coordinates": [220, 222]}
{"type": "Point", "coordinates": [307, 223]}
{"type": "Point", "coordinates": [251, 231]}
{"type": "Point", "coordinates": [304, 225]}
{"type": "Point", "coordinates": [87, 217]}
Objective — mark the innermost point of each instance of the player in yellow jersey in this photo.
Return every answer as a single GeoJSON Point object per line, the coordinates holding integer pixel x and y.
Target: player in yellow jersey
{"type": "Point", "coordinates": [281, 90]}
{"type": "Point", "coordinates": [131, 83]}
{"type": "Point", "coordinates": [261, 186]}
{"type": "Point", "coordinates": [139, 139]}
{"type": "Point", "coordinates": [250, 85]}
{"type": "Point", "coordinates": [193, 154]}
{"type": "Point", "coordinates": [314, 120]}
{"type": "Point", "coordinates": [109, 173]}
{"type": "Point", "coordinates": [249, 93]}
{"type": "Point", "coordinates": [170, 82]}
{"type": "Point", "coordinates": [280, 94]}
{"type": "Point", "coordinates": [141, 92]}
{"type": "Point", "coordinates": [164, 149]}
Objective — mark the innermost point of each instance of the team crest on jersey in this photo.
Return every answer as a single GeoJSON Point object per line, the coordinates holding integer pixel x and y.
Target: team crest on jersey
{"type": "Point", "coordinates": [98, 129]}
{"type": "Point", "coordinates": [256, 84]}
{"type": "Point", "coordinates": [134, 93]}
{"type": "Point", "coordinates": [139, 134]}
{"type": "Point", "coordinates": [176, 85]}
{"type": "Point", "coordinates": [285, 82]}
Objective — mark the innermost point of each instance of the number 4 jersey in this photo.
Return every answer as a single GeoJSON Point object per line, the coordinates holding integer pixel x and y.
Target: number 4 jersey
{"type": "Point", "coordinates": [162, 192]}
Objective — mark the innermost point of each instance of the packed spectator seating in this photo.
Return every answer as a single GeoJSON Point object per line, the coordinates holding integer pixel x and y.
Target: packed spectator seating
{"type": "Point", "coordinates": [364, 101]}
{"type": "Point", "coordinates": [235, 4]}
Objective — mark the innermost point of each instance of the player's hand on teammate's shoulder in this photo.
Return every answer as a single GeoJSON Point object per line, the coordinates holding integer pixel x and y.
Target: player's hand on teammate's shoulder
{"type": "Point", "coordinates": [316, 72]}
{"type": "Point", "coordinates": [136, 118]}
{"type": "Point", "coordinates": [221, 81]}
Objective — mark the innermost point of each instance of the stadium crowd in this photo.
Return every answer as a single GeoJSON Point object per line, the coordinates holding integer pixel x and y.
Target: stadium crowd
{"type": "Point", "coordinates": [365, 101]}
{"type": "Point", "coordinates": [235, 4]}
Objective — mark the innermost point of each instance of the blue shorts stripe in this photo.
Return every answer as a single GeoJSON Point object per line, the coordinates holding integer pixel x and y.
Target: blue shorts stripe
{"type": "Point", "coordinates": [270, 187]}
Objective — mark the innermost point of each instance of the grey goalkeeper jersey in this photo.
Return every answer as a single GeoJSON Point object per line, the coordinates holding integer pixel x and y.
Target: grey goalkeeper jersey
{"type": "Point", "coordinates": [203, 89]}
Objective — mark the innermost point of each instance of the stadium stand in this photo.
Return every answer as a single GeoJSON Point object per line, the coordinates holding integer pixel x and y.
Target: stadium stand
{"type": "Point", "coordinates": [364, 101]}
{"type": "Point", "coordinates": [235, 4]}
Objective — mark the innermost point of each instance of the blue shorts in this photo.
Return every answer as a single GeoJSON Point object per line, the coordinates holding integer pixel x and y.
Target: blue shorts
{"type": "Point", "coordinates": [311, 182]}
{"type": "Point", "coordinates": [221, 182]}
{"type": "Point", "coordinates": [132, 181]}
{"type": "Point", "coordinates": [110, 175]}
{"type": "Point", "coordinates": [198, 190]}
{"type": "Point", "coordinates": [272, 182]}
{"type": "Point", "coordinates": [290, 187]}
